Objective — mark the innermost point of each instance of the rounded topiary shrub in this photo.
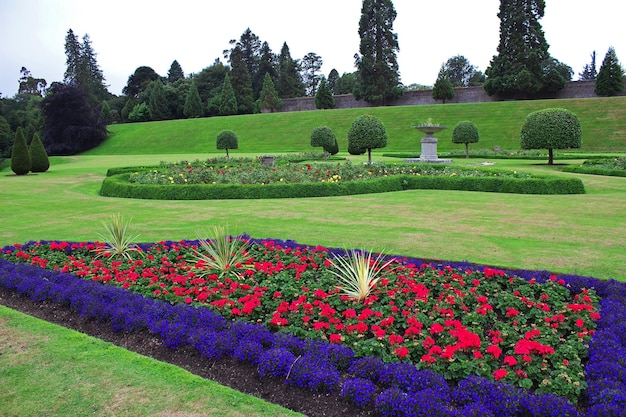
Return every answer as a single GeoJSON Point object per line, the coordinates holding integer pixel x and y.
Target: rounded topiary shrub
{"type": "Point", "coordinates": [227, 139]}
{"type": "Point", "coordinates": [367, 132]}
{"type": "Point", "coordinates": [552, 128]}
{"type": "Point", "coordinates": [465, 132]}
{"type": "Point", "coordinates": [20, 157]}
{"type": "Point", "coordinates": [38, 155]}
{"type": "Point", "coordinates": [323, 136]}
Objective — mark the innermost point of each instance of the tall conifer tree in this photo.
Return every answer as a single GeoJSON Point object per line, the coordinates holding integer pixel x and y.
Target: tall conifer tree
{"type": "Point", "coordinates": [193, 104]}
{"type": "Point", "coordinates": [377, 65]}
{"type": "Point", "coordinates": [289, 80]}
{"type": "Point", "coordinates": [242, 83]}
{"type": "Point", "coordinates": [227, 100]}
{"type": "Point", "coordinates": [610, 80]}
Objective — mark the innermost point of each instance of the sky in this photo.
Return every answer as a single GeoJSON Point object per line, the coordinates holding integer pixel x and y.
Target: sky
{"type": "Point", "coordinates": [127, 34]}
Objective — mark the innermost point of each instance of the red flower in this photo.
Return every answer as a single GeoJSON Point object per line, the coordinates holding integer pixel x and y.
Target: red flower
{"type": "Point", "coordinates": [511, 312]}
{"type": "Point", "coordinates": [495, 351]}
{"type": "Point", "coordinates": [580, 323]}
{"type": "Point", "coordinates": [335, 338]}
{"type": "Point", "coordinates": [499, 374]}
{"type": "Point", "coordinates": [401, 351]}
{"type": "Point", "coordinates": [436, 328]}
{"type": "Point", "coordinates": [510, 361]}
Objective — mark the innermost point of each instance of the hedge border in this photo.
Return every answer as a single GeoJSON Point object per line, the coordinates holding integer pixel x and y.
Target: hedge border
{"type": "Point", "coordinates": [117, 185]}
{"type": "Point", "coordinates": [595, 171]}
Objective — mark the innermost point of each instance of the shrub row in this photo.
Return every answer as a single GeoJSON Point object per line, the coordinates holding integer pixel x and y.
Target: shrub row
{"type": "Point", "coordinates": [117, 185]}
{"type": "Point", "coordinates": [595, 171]}
{"type": "Point", "coordinates": [396, 389]}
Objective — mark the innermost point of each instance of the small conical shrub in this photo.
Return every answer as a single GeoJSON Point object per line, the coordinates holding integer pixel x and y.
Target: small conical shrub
{"type": "Point", "coordinates": [38, 156]}
{"type": "Point", "coordinates": [20, 157]}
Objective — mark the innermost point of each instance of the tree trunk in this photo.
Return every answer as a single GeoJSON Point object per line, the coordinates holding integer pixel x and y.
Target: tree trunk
{"type": "Point", "coordinates": [369, 156]}
{"type": "Point", "coordinates": [550, 156]}
{"type": "Point", "coordinates": [467, 151]}
{"type": "Point", "coordinates": [227, 153]}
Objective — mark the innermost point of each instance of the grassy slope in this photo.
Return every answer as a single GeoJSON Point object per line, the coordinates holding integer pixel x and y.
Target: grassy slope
{"type": "Point", "coordinates": [603, 121]}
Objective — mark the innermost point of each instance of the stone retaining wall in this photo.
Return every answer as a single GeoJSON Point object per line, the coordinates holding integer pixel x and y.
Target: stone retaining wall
{"type": "Point", "coordinates": [573, 89]}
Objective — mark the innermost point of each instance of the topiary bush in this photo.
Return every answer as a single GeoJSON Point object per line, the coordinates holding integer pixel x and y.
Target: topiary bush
{"type": "Point", "coordinates": [552, 128]}
{"type": "Point", "coordinates": [227, 139]}
{"type": "Point", "coordinates": [465, 132]}
{"type": "Point", "coordinates": [367, 132]}
{"type": "Point", "coordinates": [38, 155]}
{"type": "Point", "coordinates": [20, 157]}
{"type": "Point", "coordinates": [323, 136]}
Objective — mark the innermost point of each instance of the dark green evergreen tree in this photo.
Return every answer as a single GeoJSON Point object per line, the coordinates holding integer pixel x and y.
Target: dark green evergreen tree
{"type": "Point", "coordinates": [20, 157]}
{"type": "Point", "coordinates": [523, 66]}
{"type": "Point", "coordinates": [346, 83]}
{"type": "Point", "coordinates": [377, 65]}
{"type": "Point", "coordinates": [333, 77]}
{"type": "Point", "coordinates": [311, 66]}
{"type": "Point", "coordinates": [90, 74]}
{"type": "Point", "coordinates": [157, 102]}
{"type": "Point", "coordinates": [193, 104]}
{"type": "Point", "coordinates": [227, 100]}
{"type": "Point", "coordinates": [610, 80]}
{"type": "Point", "coordinates": [443, 90]}
{"type": "Point", "coordinates": [38, 155]}
{"type": "Point", "coordinates": [242, 83]}
{"type": "Point", "coordinates": [267, 65]}
{"type": "Point", "coordinates": [367, 132]}
{"type": "Point", "coordinates": [289, 79]}
{"type": "Point", "coordinates": [210, 82]}
{"type": "Point", "coordinates": [269, 100]}
{"type": "Point", "coordinates": [324, 97]}
{"type": "Point", "coordinates": [459, 71]}
{"type": "Point", "coordinates": [72, 55]}
{"type": "Point", "coordinates": [106, 116]}
{"type": "Point", "coordinates": [589, 70]}
{"type": "Point", "coordinates": [227, 139]}
{"type": "Point", "coordinates": [175, 73]}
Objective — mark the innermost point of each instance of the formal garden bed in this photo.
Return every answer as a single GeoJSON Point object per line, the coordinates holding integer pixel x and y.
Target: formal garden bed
{"type": "Point", "coordinates": [613, 166]}
{"type": "Point", "coordinates": [247, 178]}
{"type": "Point", "coordinates": [430, 338]}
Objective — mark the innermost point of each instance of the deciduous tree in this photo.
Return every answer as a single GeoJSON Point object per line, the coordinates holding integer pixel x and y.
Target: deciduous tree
{"type": "Point", "coordinates": [367, 132]}
{"type": "Point", "coordinates": [552, 128]}
{"type": "Point", "coordinates": [311, 66]}
{"type": "Point", "coordinates": [227, 139]}
{"type": "Point", "coordinates": [139, 81]}
{"type": "Point", "coordinates": [377, 65]}
{"type": "Point", "coordinates": [465, 132]}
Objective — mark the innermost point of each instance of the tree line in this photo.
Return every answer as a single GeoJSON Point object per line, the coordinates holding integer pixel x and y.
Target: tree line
{"type": "Point", "coordinates": [71, 115]}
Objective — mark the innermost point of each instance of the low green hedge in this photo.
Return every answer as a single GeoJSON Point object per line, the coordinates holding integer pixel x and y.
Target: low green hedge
{"type": "Point", "coordinates": [117, 185]}
{"type": "Point", "coordinates": [595, 171]}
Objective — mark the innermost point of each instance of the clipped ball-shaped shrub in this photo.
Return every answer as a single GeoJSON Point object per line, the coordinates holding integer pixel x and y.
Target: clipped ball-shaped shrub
{"type": "Point", "coordinates": [38, 155]}
{"type": "Point", "coordinates": [465, 132]}
{"type": "Point", "coordinates": [322, 136]}
{"type": "Point", "coordinates": [367, 132]}
{"type": "Point", "coordinates": [227, 139]}
{"type": "Point", "coordinates": [20, 157]}
{"type": "Point", "coordinates": [553, 128]}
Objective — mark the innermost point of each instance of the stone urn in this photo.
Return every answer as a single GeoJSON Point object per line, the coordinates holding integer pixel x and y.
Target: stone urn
{"type": "Point", "coordinates": [429, 144]}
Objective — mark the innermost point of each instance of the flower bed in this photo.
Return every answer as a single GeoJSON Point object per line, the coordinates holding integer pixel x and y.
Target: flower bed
{"type": "Point", "coordinates": [474, 326]}
{"type": "Point", "coordinates": [246, 179]}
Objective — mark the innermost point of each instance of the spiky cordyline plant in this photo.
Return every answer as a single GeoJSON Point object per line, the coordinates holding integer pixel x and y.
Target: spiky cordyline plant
{"type": "Point", "coordinates": [118, 240]}
{"type": "Point", "coordinates": [221, 253]}
{"type": "Point", "coordinates": [358, 272]}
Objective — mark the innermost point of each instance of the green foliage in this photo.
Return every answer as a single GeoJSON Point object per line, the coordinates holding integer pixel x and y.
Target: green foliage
{"type": "Point", "coordinates": [523, 66]}
{"type": "Point", "coordinates": [333, 149]}
{"type": "Point", "coordinates": [5, 136]}
{"type": "Point", "coordinates": [38, 155]}
{"type": "Point", "coordinates": [175, 73]}
{"type": "Point", "coordinates": [324, 96]}
{"type": "Point", "coordinates": [140, 113]}
{"type": "Point", "coordinates": [289, 83]}
{"type": "Point", "coordinates": [222, 253]}
{"type": "Point", "coordinates": [552, 128]}
{"type": "Point", "coordinates": [106, 116]}
{"type": "Point", "coordinates": [465, 132]}
{"type": "Point", "coordinates": [117, 239]}
{"type": "Point", "coordinates": [610, 80]}
{"type": "Point", "coordinates": [378, 73]}
{"type": "Point", "coordinates": [227, 101]}
{"type": "Point", "coordinates": [227, 139]}
{"type": "Point", "coordinates": [359, 272]}
{"type": "Point", "coordinates": [367, 132]}
{"type": "Point", "coordinates": [443, 89]}
{"type": "Point", "coordinates": [20, 157]}
{"type": "Point", "coordinates": [241, 79]}
{"type": "Point", "coordinates": [323, 136]}
{"type": "Point", "coordinates": [193, 104]}
{"type": "Point", "coordinates": [460, 72]}
{"type": "Point", "coordinates": [268, 99]}
{"type": "Point", "coordinates": [139, 81]}
{"type": "Point", "coordinates": [157, 102]}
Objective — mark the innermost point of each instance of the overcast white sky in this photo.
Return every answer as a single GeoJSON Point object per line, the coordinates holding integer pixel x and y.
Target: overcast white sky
{"type": "Point", "coordinates": [127, 34]}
